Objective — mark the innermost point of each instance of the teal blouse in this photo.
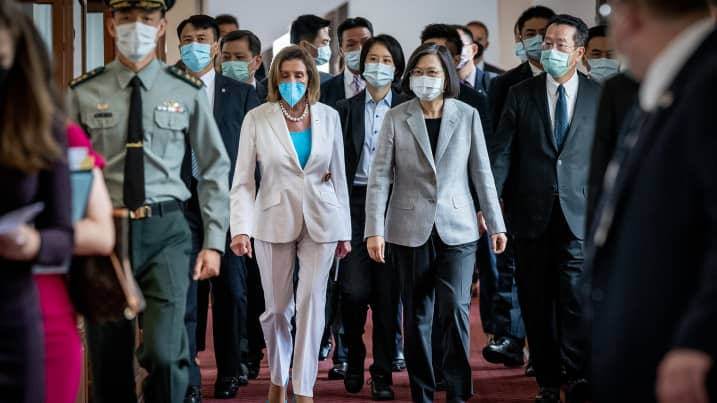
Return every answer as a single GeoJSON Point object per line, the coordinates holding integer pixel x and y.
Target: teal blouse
{"type": "Point", "coordinates": [302, 145]}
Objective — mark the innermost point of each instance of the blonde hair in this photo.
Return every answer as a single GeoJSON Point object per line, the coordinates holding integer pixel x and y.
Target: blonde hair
{"type": "Point", "coordinates": [313, 86]}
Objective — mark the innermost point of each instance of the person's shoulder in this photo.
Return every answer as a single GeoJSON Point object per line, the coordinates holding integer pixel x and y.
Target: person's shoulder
{"type": "Point", "coordinates": [321, 109]}
{"type": "Point", "coordinates": [183, 76]}
{"type": "Point", "coordinates": [460, 106]}
{"type": "Point", "coordinates": [86, 77]}
{"type": "Point", "coordinates": [233, 84]}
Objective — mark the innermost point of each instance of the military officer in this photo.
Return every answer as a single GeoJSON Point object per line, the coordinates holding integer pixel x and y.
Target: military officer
{"type": "Point", "coordinates": [141, 115]}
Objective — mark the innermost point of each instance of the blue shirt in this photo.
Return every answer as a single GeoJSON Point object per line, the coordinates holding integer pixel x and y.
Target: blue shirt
{"type": "Point", "coordinates": [373, 119]}
{"type": "Point", "coordinates": [302, 145]}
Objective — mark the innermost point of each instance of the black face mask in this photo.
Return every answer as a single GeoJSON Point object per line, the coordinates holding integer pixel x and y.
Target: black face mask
{"type": "Point", "coordinates": [481, 49]}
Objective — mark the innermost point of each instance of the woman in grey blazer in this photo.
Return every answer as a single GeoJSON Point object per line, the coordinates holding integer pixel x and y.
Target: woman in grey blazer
{"type": "Point", "coordinates": [301, 210]}
{"type": "Point", "coordinates": [431, 150]}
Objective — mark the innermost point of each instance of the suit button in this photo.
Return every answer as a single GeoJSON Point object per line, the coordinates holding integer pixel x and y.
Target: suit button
{"type": "Point", "coordinates": [560, 162]}
{"type": "Point", "coordinates": [598, 295]}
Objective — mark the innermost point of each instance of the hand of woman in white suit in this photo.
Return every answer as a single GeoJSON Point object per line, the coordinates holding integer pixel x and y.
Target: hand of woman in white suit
{"type": "Point", "coordinates": [343, 248]}
{"type": "Point", "coordinates": [241, 245]}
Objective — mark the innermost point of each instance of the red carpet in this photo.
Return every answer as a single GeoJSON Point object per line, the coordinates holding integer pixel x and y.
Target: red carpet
{"type": "Point", "coordinates": [491, 383]}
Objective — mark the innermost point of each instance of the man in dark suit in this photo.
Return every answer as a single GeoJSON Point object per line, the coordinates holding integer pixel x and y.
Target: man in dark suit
{"type": "Point", "coordinates": [352, 34]}
{"type": "Point", "coordinates": [479, 32]}
{"type": "Point", "coordinates": [506, 345]}
{"type": "Point", "coordinates": [543, 140]}
{"type": "Point", "coordinates": [241, 59]}
{"type": "Point", "coordinates": [652, 251]}
{"type": "Point", "coordinates": [230, 100]}
{"type": "Point", "coordinates": [470, 73]}
{"type": "Point", "coordinates": [311, 32]}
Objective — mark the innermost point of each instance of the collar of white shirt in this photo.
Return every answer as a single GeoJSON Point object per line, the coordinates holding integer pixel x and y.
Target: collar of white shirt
{"type": "Point", "coordinates": [386, 100]}
{"type": "Point", "coordinates": [471, 78]}
{"type": "Point", "coordinates": [670, 61]}
{"type": "Point", "coordinates": [348, 83]}
{"type": "Point", "coordinates": [208, 79]}
{"type": "Point", "coordinates": [536, 71]}
{"type": "Point", "coordinates": [571, 86]}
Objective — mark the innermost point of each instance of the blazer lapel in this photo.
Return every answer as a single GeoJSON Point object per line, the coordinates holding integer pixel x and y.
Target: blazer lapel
{"type": "Point", "coordinates": [317, 138]}
{"type": "Point", "coordinates": [581, 109]}
{"type": "Point", "coordinates": [448, 124]}
{"type": "Point", "coordinates": [541, 100]}
{"type": "Point", "coordinates": [418, 127]}
{"type": "Point", "coordinates": [278, 126]}
{"type": "Point", "coordinates": [358, 124]}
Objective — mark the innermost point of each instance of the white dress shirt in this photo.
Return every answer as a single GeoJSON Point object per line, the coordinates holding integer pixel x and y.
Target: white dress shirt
{"type": "Point", "coordinates": [471, 78]}
{"type": "Point", "coordinates": [571, 93]}
{"type": "Point", "coordinates": [669, 62]}
{"type": "Point", "coordinates": [209, 79]}
{"type": "Point", "coordinates": [536, 71]}
{"type": "Point", "coordinates": [348, 83]}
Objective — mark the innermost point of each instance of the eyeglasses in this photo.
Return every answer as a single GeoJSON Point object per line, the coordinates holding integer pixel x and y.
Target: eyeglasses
{"type": "Point", "coordinates": [430, 73]}
{"type": "Point", "coordinates": [561, 47]}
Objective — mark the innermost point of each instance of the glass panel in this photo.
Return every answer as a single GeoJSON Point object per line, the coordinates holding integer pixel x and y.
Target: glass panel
{"type": "Point", "coordinates": [77, 39]}
{"type": "Point", "coordinates": [95, 40]}
{"type": "Point", "coordinates": [42, 16]}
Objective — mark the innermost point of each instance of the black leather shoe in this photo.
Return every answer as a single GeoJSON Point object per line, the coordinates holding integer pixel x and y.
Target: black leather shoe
{"type": "Point", "coordinates": [325, 350]}
{"type": "Point", "coordinates": [578, 391]}
{"type": "Point", "coordinates": [194, 395]}
{"type": "Point", "coordinates": [353, 380]}
{"type": "Point", "coordinates": [398, 365]}
{"type": "Point", "coordinates": [529, 369]}
{"type": "Point", "coordinates": [548, 395]}
{"type": "Point", "coordinates": [253, 367]}
{"type": "Point", "coordinates": [243, 377]}
{"type": "Point", "coordinates": [338, 371]}
{"type": "Point", "coordinates": [226, 387]}
{"type": "Point", "coordinates": [504, 351]}
{"type": "Point", "coordinates": [381, 389]}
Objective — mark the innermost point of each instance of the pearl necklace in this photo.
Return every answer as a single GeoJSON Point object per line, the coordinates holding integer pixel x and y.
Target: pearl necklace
{"type": "Point", "coordinates": [292, 118]}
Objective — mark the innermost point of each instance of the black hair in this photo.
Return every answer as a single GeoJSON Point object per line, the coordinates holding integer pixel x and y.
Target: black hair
{"type": "Point", "coordinates": [252, 40]}
{"type": "Point", "coordinates": [222, 19]}
{"type": "Point", "coordinates": [452, 82]}
{"type": "Point", "coordinates": [479, 24]}
{"type": "Point", "coordinates": [394, 48]}
{"type": "Point", "coordinates": [199, 21]}
{"type": "Point", "coordinates": [350, 23]}
{"type": "Point", "coordinates": [599, 31]}
{"type": "Point", "coordinates": [534, 12]}
{"type": "Point", "coordinates": [444, 31]}
{"type": "Point", "coordinates": [581, 29]}
{"type": "Point", "coordinates": [306, 27]}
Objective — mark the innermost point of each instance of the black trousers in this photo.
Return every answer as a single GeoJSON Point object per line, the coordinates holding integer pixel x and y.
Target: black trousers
{"type": "Point", "coordinates": [255, 307]}
{"type": "Point", "coordinates": [365, 283]}
{"type": "Point", "coordinates": [549, 272]}
{"type": "Point", "coordinates": [437, 274]}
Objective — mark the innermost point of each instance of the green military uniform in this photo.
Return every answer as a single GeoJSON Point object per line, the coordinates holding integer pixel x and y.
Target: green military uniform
{"type": "Point", "coordinates": [175, 110]}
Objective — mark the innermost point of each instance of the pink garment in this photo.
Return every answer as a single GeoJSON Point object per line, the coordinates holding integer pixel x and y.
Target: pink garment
{"type": "Point", "coordinates": [76, 138]}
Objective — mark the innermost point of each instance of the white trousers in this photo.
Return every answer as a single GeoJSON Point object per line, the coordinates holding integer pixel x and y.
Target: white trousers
{"type": "Point", "coordinates": [276, 266]}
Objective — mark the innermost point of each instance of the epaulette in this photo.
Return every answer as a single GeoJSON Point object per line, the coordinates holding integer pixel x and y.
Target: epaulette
{"type": "Point", "coordinates": [87, 76]}
{"type": "Point", "coordinates": [184, 76]}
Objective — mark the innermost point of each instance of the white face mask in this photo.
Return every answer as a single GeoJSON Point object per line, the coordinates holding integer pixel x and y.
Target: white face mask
{"type": "Point", "coordinates": [427, 88]}
{"type": "Point", "coordinates": [136, 40]}
{"type": "Point", "coordinates": [466, 56]}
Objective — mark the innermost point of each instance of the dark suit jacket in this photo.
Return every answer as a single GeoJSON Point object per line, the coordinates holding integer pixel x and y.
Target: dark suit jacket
{"type": "Point", "coordinates": [654, 261]}
{"type": "Point", "coordinates": [323, 77]}
{"type": "Point", "coordinates": [352, 115]}
{"type": "Point", "coordinates": [479, 100]}
{"type": "Point", "coordinates": [501, 85]}
{"type": "Point", "coordinates": [493, 69]}
{"type": "Point", "coordinates": [261, 90]}
{"type": "Point", "coordinates": [524, 146]}
{"type": "Point", "coordinates": [333, 91]}
{"type": "Point", "coordinates": [619, 95]}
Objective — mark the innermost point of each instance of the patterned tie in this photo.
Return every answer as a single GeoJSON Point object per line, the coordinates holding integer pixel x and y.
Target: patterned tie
{"type": "Point", "coordinates": [561, 118]}
{"type": "Point", "coordinates": [133, 189]}
{"type": "Point", "coordinates": [356, 84]}
{"type": "Point", "coordinates": [467, 83]}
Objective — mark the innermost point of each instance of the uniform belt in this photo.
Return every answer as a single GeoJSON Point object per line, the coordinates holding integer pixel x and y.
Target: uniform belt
{"type": "Point", "coordinates": [150, 210]}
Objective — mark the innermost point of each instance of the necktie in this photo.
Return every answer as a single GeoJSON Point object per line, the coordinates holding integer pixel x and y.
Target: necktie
{"type": "Point", "coordinates": [133, 191]}
{"type": "Point", "coordinates": [467, 83]}
{"type": "Point", "coordinates": [561, 118]}
{"type": "Point", "coordinates": [356, 84]}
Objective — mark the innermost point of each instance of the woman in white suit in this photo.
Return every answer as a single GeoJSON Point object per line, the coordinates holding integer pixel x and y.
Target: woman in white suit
{"type": "Point", "coordinates": [301, 210]}
{"type": "Point", "coordinates": [430, 152]}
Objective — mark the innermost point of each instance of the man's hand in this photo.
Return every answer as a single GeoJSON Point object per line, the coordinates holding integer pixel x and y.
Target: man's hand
{"type": "Point", "coordinates": [682, 377]}
{"type": "Point", "coordinates": [207, 266]}
{"type": "Point", "coordinates": [343, 248]}
{"type": "Point", "coordinates": [376, 247]}
{"type": "Point", "coordinates": [482, 226]}
{"type": "Point", "coordinates": [498, 242]}
{"type": "Point", "coordinates": [241, 245]}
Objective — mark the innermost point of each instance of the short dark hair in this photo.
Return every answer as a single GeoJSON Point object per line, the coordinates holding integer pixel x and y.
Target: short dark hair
{"type": "Point", "coordinates": [350, 23]}
{"type": "Point", "coordinates": [479, 24]}
{"type": "Point", "coordinates": [447, 32]}
{"type": "Point", "coordinates": [199, 21]}
{"type": "Point", "coordinates": [534, 12]}
{"type": "Point", "coordinates": [306, 27]}
{"type": "Point", "coordinates": [394, 48]}
{"type": "Point", "coordinates": [581, 29]}
{"type": "Point", "coordinates": [452, 82]}
{"type": "Point", "coordinates": [222, 19]}
{"type": "Point", "coordinates": [671, 7]}
{"type": "Point", "coordinates": [598, 31]}
{"type": "Point", "coordinates": [252, 40]}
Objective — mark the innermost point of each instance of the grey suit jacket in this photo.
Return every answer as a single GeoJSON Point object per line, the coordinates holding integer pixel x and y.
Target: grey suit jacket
{"type": "Point", "coordinates": [430, 191]}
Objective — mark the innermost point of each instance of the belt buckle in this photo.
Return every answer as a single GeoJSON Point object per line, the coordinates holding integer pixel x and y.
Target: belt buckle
{"type": "Point", "coordinates": [140, 213]}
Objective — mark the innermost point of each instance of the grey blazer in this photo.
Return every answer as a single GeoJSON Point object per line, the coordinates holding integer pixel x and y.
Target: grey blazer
{"type": "Point", "coordinates": [428, 191]}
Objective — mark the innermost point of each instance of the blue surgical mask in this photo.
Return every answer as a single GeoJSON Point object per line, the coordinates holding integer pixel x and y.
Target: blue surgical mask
{"type": "Point", "coordinates": [555, 62]}
{"type": "Point", "coordinates": [602, 69]}
{"type": "Point", "coordinates": [292, 92]}
{"type": "Point", "coordinates": [520, 52]}
{"type": "Point", "coordinates": [353, 59]}
{"type": "Point", "coordinates": [324, 55]}
{"type": "Point", "coordinates": [238, 70]}
{"type": "Point", "coordinates": [196, 56]}
{"type": "Point", "coordinates": [378, 75]}
{"type": "Point", "coordinates": [533, 46]}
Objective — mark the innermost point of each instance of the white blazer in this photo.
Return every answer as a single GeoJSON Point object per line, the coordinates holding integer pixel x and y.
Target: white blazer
{"type": "Point", "coordinates": [289, 196]}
